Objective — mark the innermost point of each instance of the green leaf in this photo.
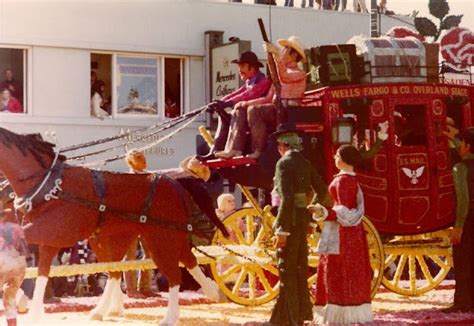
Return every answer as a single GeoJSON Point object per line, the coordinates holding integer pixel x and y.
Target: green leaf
{"type": "Point", "coordinates": [425, 27]}
{"type": "Point", "coordinates": [451, 21]}
{"type": "Point", "coordinates": [438, 8]}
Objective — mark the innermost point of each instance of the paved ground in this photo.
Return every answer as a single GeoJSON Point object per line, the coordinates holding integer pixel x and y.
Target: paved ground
{"type": "Point", "coordinates": [389, 308]}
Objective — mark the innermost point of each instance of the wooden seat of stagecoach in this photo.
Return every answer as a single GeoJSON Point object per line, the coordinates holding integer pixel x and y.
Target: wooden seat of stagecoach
{"type": "Point", "coordinates": [232, 162]}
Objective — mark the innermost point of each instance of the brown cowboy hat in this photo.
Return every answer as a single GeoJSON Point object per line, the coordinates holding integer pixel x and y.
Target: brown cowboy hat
{"type": "Point", "coordinates": [250, 58]}
{"type": "Point", "coordinates": [195, 167]}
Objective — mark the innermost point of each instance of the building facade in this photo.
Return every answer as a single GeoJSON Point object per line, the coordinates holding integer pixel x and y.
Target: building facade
{"type": "Point", "coordinates": [150, 55]}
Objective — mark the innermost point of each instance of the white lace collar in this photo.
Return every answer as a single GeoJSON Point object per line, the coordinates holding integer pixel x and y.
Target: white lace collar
{"type": "Point", "coordinates": [352, 173]}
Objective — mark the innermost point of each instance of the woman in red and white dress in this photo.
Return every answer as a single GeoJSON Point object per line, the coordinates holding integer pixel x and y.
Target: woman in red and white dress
{"type": "Point", "coordinates": [343, 287]}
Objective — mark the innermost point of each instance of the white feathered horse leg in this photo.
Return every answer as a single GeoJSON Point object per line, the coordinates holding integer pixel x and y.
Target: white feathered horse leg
{"type": "Point", "coordinates": [210, 288]}
{"type": "Point", "coordinates": [172, 313]}
{"type": "Point", "coordinates": [37, 306]}
{"type": "Point", "coordinates": [111, 301]}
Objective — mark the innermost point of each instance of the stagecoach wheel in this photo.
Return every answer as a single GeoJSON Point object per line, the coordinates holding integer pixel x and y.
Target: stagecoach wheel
{"type": "Point", "coordinates": [376, 253]}
{"type": "Point", "coordinates": [247, 281]}
{"type": "Point", "coordinates": [417, 264]}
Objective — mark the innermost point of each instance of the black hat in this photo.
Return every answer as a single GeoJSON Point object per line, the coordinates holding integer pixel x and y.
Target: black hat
{"type": "Point", "coordinates": [284, 128]}
{"type": "Point", "coordinates": [250, 58]}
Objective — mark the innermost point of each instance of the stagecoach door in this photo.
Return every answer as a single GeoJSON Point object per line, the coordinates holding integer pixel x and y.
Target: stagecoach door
{"type": "Point", "coordinates": [419, 168]}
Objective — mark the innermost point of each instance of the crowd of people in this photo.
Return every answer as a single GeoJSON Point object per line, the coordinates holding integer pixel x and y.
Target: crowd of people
{"type": "Point", "coordinates": [357, 5]}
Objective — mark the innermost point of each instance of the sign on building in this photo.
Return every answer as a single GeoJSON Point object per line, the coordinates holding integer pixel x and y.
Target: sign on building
{"type": "Point", "coordinates": [224, 74]}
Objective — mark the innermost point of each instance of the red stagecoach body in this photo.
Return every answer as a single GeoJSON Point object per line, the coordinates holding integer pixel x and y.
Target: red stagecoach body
{"type": "Point", "coordinates": [408, 185]}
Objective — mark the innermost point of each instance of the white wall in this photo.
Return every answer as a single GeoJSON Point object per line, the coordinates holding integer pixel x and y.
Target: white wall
{"type": "Point", "coordinates": [61, 82]}
{"type": "Point", "coordinates": [166, 26]}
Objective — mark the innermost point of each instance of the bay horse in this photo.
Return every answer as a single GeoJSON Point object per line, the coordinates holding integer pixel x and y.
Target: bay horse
{"type": "Point", "coordinates": [66, 203]}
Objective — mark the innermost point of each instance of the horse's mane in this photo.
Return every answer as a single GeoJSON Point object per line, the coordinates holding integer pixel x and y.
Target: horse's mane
{"type": "Point", "coordinates": [30, 143]}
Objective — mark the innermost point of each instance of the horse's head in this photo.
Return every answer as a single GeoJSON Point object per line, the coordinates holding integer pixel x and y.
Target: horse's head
{"type": "Point", "coordinates": [24, 156]}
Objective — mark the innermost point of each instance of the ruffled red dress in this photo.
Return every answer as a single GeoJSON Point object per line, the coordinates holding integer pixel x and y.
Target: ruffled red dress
{"type": "Point", "coordinates": [343, 288]}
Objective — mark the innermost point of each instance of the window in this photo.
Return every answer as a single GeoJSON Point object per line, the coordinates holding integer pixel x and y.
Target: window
{"type": "Point", "coordinates": [126, 85]}
{"type": "Point", "coordinates": [137, 85]}
{"type": "Point", "coordinates": [410, 125]}
{"type": "Point", "coordinates": [173, 87]}
{"type": "Point", "coordinates": [356, 109]}
{"type": "Point", "coordinates": [12, 85]}
{"type": "Point", "coordinates": [101, 84]}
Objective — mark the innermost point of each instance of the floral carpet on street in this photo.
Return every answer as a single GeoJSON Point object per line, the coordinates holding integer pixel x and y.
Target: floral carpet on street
{"type": "Point", "coordinates": [196, 309]}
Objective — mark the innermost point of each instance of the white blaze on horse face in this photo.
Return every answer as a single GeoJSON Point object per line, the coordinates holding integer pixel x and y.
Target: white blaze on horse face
{"type": "Point", "coordinates": [172, 314]}
{"type": "Point", "coordinates": [37, 307]}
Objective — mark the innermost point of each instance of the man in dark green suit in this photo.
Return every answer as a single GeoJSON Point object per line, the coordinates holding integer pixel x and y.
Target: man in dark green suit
{"type": "Point", "coordinates": [294, 179]}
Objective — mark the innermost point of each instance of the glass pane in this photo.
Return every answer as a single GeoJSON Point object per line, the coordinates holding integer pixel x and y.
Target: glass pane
{"type": "Point", "coordinates": [11, 85]}
{"type": "Point", "coordinates": [137, 85]}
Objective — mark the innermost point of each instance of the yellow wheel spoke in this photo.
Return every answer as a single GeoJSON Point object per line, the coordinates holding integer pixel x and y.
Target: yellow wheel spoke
{"type": "Point", "coordinates": [230, 271]}
{"type": "Point", "coordinates": [260, 236]}
{"type": "Point", "coordinates": [400, 267]}
{"type": "Point", "coordinates": [250, 228]}
{"type": "Point", "coordinates": [263, 279]}
{"type": "Point", "coordinates": [252, 283]}
{"type": "Point", "coordinates": [312, 279]}
{"type": "Point", "coordinates": [389, 259]}
{"type": "Point", "coordinates": [412, 272]}
{"type": "Point", "coordinates": [272, 269]}
{"type": "Point", "coordinates": [236, 229]}
{"type": "Point", "coordinates": [240, 281]}
{"type": "Point", "coordinates": [424, 268]}
{"type": "Point", "coordinates": [439, 262]}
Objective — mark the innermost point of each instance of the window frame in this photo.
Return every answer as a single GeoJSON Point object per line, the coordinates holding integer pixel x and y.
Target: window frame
{"type": "Point", "coordinates": [27, 77]}
{"type": "Point", "coordinates": [160, 58]}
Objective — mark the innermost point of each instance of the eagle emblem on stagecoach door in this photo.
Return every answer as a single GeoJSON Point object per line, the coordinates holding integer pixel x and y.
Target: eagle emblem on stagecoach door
{"type": "Point", "coordinates": [414, 174]}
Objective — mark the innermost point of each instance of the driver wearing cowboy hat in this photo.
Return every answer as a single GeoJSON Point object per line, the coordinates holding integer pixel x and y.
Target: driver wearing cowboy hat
{"type": "Point", "coordinates": [262, 112]}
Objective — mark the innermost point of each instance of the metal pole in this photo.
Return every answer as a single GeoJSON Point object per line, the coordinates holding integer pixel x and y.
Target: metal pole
{"type": "Point", "coordinates": [374, 19]}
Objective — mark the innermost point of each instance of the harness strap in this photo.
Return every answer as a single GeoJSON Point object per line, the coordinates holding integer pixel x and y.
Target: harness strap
{"type": "Point", "coordinates": [100, 188]}
{"type": "Point", "coordinates": [151, 194]}
{"type": "Point", "coordinates": [129, 216]}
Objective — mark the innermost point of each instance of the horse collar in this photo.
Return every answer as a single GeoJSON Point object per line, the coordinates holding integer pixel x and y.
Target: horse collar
{"type": "Point", "coordinates": [53, 182]}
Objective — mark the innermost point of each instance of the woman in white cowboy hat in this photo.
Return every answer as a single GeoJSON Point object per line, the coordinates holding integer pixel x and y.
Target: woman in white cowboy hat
{"type": "Point", "coordinates": [262, 113]}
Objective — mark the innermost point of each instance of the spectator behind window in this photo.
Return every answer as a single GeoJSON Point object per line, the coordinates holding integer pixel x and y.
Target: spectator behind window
{"type": "Point", "coordinates": [14, 86]}
{"type": "Point", "coordinates": [9, 103]}
{"type": "Point", "coordinates": [171, 108]}
{"type": "Point", "coordinates": [97, 101]}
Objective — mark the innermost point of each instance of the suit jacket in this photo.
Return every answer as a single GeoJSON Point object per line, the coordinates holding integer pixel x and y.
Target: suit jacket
{"type": "Point", "coordinates": [294, 179]}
